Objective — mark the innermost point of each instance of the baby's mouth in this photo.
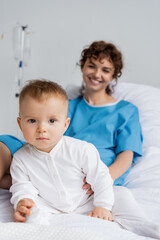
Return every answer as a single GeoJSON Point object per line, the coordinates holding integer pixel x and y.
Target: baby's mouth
{"type": "Point", "coordinates": [42, 138]}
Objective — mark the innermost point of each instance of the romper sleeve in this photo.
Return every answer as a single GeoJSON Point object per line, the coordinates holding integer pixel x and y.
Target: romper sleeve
{"type": "Point", "coordinates": [129, 135]}
{"type": "Point", "coordinates": [97, 174]}
{"type": "Point", "coordinates": [21, 185]}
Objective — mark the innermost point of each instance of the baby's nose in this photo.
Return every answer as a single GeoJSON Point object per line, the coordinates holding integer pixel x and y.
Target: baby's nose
{"type": "Point", "coordinates": [41, 127]}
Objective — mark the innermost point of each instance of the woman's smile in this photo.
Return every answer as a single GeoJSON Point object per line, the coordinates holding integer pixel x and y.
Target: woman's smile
{"type": "Point", "coordinates": [95, 81]}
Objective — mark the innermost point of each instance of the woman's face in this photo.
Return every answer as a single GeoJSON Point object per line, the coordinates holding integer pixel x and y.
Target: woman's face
{"type": "Point", "coordinates": [97, 74]}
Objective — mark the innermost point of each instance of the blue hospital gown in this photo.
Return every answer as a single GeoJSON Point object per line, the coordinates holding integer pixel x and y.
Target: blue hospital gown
{"type": "Point", "coordinates": [112, 128]}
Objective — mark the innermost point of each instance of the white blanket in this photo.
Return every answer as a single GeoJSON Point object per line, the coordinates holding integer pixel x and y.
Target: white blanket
{"type": "Point", "coordinates": [143, 180]}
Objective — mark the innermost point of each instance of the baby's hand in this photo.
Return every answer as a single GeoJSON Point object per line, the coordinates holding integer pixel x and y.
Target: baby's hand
{"type": "Point", "coordinates": [102, 213]}
{"type": "Point", "coordinates": [23, 209]}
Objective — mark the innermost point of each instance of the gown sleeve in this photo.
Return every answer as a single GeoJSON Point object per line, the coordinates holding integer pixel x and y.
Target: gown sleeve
{"type": "Point", "coordinates": [129, 135]}
{"type": "Point", "coordinates": [13, 143]}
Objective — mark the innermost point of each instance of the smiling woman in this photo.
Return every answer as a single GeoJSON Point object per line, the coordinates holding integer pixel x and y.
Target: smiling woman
{"type": "Point", "coordinates": [101, 119]}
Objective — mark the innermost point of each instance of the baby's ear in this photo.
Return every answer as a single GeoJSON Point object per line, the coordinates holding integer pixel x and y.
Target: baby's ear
{"type": "Point", "coordinates": [19, 122]}
{"type": "Point", "coordinates": [67, 122]}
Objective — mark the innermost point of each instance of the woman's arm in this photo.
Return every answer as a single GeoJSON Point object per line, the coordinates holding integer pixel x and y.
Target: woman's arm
{"type": "Point", "coordinates": [121, 164]}
{"type": "Point", "coordinates": [5, 162]}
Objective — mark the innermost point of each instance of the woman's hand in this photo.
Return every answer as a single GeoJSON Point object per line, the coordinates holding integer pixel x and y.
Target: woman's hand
{"type": "Point", "coordinates": [87, 186]}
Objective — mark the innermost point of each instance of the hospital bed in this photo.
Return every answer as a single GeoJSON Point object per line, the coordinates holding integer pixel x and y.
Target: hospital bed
{"type": "Point", "coordinates": [143, 181]}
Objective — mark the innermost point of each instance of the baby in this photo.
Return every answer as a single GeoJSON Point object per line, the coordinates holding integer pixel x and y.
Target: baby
{"type": "Point", "coordinates": [48, 171]}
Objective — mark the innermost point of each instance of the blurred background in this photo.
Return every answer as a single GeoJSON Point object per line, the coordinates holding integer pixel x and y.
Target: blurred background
{"type": "Point", "coordinates": [56, 33]}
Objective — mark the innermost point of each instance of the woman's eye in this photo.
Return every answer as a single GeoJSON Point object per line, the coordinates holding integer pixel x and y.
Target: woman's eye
{"type": "Point", "coordinates": [51, 120]}
{"type": "Point", "coordinates": [106, 71]}
{"type": "Point", "coordinates": [91, 66]}
{"type": "Point", "coordinates": [31, 120]}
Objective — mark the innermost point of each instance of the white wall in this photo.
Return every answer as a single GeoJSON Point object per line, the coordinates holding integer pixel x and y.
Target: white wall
{"type": "Point", "coordinates": [61, 28]}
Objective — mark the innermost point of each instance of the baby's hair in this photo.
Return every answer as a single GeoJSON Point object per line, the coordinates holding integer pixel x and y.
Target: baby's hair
{"type": "Point", "coordinates": [41, 89]}
{"type": "Point", "coordinates": [100, 50]}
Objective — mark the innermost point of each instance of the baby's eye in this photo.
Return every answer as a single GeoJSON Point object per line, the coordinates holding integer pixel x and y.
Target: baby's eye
{"type": "Point", "coordinates": [52, 120]}
{"type": "Point", "coordinates": [31, 120]}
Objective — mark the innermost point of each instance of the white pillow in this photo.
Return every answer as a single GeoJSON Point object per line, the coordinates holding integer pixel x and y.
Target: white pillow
{"type": "Point", "coordinates": [147, 99]}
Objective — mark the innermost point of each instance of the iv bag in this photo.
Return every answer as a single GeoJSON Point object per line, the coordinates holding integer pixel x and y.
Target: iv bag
{"type": "Point", "coordinates": [17, 35]}
{"type": "Point", "coordinates": [21, 44]}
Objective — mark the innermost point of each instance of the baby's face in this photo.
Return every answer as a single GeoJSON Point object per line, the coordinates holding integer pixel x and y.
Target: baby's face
{"type": "Point", "coordinates": [43, 122]}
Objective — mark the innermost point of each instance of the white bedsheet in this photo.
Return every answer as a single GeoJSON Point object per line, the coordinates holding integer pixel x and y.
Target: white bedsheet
{"type": "Point", "coordinates": [143, 180]}
{"type": "Point", "coordinates": [91, 231]}
{"type": "Point", "coordinates": [63, 227]}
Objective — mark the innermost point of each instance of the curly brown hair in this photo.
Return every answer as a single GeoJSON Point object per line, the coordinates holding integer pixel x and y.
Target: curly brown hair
{"type": "Point", "coordinates": [100, 50]}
